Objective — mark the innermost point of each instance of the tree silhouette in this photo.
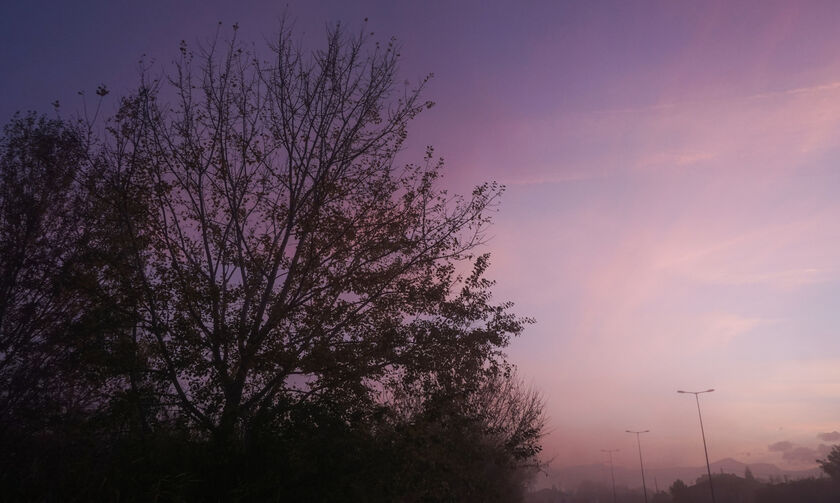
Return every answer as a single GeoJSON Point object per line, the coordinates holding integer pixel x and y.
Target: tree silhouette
{"type": "Point", "coordinates": [233, 289]}
{"type": "Point", "coordinates": [831, 464]}
{"type": "Point", "coordinates": [282, 254]}
{"type": "Point", "coordinates": [40, 234]}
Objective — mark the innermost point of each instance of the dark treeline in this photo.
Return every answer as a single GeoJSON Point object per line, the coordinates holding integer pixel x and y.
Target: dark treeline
{"type": "Point", "coordinates": [728, 488]}
{"type": "Point", "coordinates": [229, 290]}
{"type": "Point", "coordinates": [592, 492]}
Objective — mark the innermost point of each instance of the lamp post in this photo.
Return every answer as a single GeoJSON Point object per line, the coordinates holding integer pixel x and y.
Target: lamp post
{"type": "Point", "coordinates": [612, 472]}
{"type": "Point", "coordinates": [641, 464]}
{"type": "Point", "coordinates": [703, 434]}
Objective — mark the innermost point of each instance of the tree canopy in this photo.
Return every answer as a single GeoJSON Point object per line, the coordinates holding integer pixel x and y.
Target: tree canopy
{"type": "Point", "coordinates": [238, 265]}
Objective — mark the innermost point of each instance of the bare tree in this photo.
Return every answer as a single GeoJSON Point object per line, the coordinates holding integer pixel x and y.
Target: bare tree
{"type": "Point", "coordinates": [514, 417]}
{"type": "Point", "coordinates": [279, 253]}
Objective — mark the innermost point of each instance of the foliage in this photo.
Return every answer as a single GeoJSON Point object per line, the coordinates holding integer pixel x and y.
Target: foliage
{"type": "Point", "coordinates": [589, 491]}
{"type": "Point", "coordinates": [235, 292]}
{"type": "Point", "coordinates": [831, 464]}
{"type": "Point", "coordinates": [40, 237]}
{"type": "Point", "coordinates": [809, 490]}
{"type": "Point", "coordinates": [678, 490]}
{"type": "Point", "coordinates": [281, 253]}
{"type": "Point", "coordinates": [735, 489]}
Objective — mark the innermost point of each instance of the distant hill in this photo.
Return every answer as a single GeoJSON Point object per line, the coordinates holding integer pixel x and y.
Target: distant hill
{"type": "Point", "coordinates": [572, 476]}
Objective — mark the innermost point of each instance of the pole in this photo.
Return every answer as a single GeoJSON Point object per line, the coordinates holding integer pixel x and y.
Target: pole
{"type": "Point", "coordinates": [641, 463]}
{"type": "Point", "coordinates": [703, 434]}
{"type": "Point", "coordinates": [705, 449]}
{"type": "Point", "coordinates": [612, 472]}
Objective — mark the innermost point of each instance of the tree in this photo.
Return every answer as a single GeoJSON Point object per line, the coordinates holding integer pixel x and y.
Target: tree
{"type": "Point", "coordinates": [40, 230]}
{"type": "Point", "coordinates": [679, 491]}
{"type": "Point", "coordinates": [831, 464]}
{"type": "Point", "coordinates": [233, 289]}
{"type": "Point", "coordinates": [52, 379]}
{"type": "Point", "coordinates": [477, 444]}
{"type": "Point", "coordinates": [282, 255]}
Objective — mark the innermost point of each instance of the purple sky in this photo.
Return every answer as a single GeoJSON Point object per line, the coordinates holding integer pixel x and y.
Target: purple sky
{"type": "Point", "coordinates": [671, 218]}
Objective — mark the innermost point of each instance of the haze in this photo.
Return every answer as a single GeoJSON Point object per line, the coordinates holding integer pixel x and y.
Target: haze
{"type": "Point", "coordinates": [671, 212]}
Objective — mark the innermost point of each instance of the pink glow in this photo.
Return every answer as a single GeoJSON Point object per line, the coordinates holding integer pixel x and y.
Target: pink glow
{"type": "Point", "coordinates": [672, 211]}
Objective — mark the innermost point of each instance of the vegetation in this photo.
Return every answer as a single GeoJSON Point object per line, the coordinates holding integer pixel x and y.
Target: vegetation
{"type": "Point", "coordinates": [729, 488]}
{"type": "Point", "coordinates": [831, 464]}
{"type": "Point", "coordinates": [235, 293]}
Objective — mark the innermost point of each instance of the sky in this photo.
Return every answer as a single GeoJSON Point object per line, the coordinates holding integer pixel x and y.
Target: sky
{"type": "Point", "coordinates": [671, 213]}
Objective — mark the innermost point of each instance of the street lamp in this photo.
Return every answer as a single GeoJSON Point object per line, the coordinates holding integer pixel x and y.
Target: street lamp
{"type": "Point", "coordinates": [612, 472]}
{"type": "Point", "coordinates": [639, 443]}
{"type": "Point", "coordinates": [703, 434]}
